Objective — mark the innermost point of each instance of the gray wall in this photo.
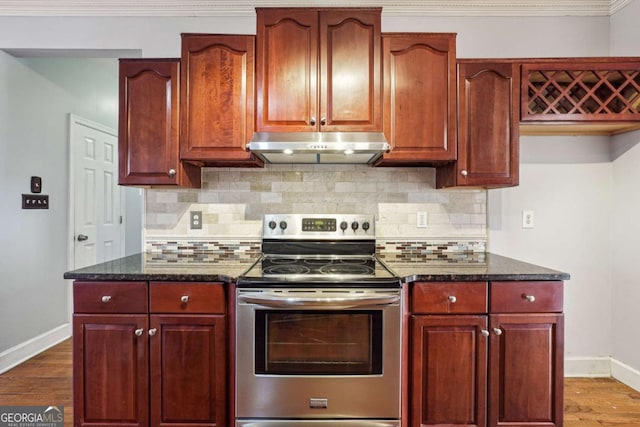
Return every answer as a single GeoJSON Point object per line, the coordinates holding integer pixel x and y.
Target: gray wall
{"type": "Point", "coordinates": [625, 40]}
{"type": "Point", "coordinates": [37, 96]}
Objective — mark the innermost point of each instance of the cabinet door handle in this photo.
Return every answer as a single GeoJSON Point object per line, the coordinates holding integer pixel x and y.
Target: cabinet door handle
{"type": "Point", "coordinates": [323, 121]}
{"type": "Point", "coordinates": [484, 333]}
{"type": "Point", "coordinates": [172, 173]}
{"type": "Point", "coordinates": [106, 298]}
{"type": "Point", "coordinates": [529, 298]}
{"type": "Point", "coordinates": [184, 298]}
{"type": "Point", "coordinates": [139, 332]}
{"type": "Point", "coordinates": [312, 122]}
{"type": "Point", "coordinates": [464, 172]}
{"type": "Point", "coordinates": [152, 331]}
{"type": "Point", "coordinates": [82, 237]}
{"type": "Point", "coordinates": [452, 299]}
{"type": "Point", "coordinates": [498, 331]}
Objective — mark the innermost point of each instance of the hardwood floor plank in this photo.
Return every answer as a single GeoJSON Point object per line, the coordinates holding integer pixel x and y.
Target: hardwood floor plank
{"type": "Point", "coordinates": [46, 379]}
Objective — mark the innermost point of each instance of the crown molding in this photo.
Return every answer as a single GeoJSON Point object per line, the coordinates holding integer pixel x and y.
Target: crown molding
{"type": "Point", "coordinates": [247, 7]}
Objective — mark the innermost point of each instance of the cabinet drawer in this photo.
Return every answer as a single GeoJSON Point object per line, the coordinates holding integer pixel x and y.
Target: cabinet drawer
{"type": "Point", "coordinates": [110, 297]}
{"type": "Point", "coordinates": [526, 297]}
{"type": "Point", "coordinates": [449, 297]}
{"type": "Point", "coordinates": [186, 297]}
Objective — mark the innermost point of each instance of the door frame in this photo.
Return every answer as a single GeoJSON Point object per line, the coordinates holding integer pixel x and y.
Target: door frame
{"type": "Point", "coordinates": [75, 120]}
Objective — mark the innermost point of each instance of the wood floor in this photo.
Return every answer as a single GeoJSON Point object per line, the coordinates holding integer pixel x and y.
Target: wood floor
{"type": "Point", "coordinates": [46, 380]}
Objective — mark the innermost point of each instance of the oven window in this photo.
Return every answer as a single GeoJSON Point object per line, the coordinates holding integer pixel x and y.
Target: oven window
{"type": "Point", "coordinates": [304, 342]}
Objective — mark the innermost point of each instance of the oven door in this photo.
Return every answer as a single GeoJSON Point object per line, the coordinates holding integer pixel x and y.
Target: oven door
{"type": "Point", "coordinates": [318, 353]}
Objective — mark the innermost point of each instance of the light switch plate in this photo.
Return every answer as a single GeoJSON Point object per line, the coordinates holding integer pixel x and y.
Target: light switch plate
{"type": "Point", "coordinates": [421, 221]}
{"type": "Point", "coordinates": [36, 184]}
{"type": "Point", "coordinates": [35, 201]}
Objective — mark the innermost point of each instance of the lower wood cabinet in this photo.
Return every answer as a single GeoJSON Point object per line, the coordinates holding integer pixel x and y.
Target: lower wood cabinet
{"type": "Point", "coordinates": [495, 360]}
{"type": "Point", "coordinates": [449, 370]}
{"type": "Point", "coordinates": [165, 365]}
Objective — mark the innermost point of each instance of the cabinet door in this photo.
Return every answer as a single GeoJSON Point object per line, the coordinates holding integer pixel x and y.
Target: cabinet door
{"type": "Point", "coordinates": [526, 370]}
{"type": "Point", "coordinates": [318, 70]}
{"type": "Point", "coordinates": [488, 127]}
{"type": "Point", "coordinates": [419, 98]}
{"type": "Point", "coordinates": [350, 70]}
{"type": "Point", "coordinates": [449, 371]}
{"type": "Point", "coordinates": [111, 370]}
{"type": "Point", "coordinates": [149, 125]}
{"type": "Point", "coordinates": [188, 370]}
{"type": "Point", "coordinates": [287, 70]}
{"type": "Point", "coordinates": [217, 99]}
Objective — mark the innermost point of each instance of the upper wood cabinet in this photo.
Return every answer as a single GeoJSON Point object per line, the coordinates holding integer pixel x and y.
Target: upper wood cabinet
{"type": "Point", "coordinates": [149, 125]}
{"type": "Point", "coordinates": [419, 98]}
{"type": "Point", "coordinates": [598, 94]}
{"type": "Point", "coordinates": [488, 126]}
{"type": "Point", "coordinates": [318, 70]}
{"type": "Point", "coordinates": [217, 99]}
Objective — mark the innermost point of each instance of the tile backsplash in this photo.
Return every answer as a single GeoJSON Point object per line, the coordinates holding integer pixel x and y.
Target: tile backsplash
{"type": "Point", "coordinates": [233, 202]}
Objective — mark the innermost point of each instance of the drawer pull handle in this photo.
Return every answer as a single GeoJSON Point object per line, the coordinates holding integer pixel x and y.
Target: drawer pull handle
{"type": "Point", "coordinates": [498, 331]}
{"type": "Point", "coordinates": [484, 333]}
{"type": "Point", "coordinates": [452, 299]}
{"type": "Point", "coordinates": [152, 331]}
{"type": "Point", "coordinates": [106, 298]}
{"type": "Point", "coordinates": [139, 332]}
{"type": "Point", "coordinates": [530, 298]}
{"type": "Point", "coordinates": [184, 298]}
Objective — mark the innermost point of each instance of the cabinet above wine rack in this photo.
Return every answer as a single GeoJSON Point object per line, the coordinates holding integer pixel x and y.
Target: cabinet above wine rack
{"type": "Point", "coordinates": [603, 93]}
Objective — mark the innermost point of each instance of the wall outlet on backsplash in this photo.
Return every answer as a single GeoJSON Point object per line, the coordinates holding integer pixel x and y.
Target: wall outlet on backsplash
{"type": "Point", "coordinates": [195, 220]}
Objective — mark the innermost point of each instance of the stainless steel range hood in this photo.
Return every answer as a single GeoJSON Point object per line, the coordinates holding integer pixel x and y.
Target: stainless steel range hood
{"type": "Point", "coordinates": [318, 147]}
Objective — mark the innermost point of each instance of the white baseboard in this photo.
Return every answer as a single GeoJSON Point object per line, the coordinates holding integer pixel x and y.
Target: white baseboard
{"type": "Point", "coordinates": [587, 367]}
{"type": "Point", "coordinates": [592, 367]}
{"type": "Point", "coordinates": [26, 350]}
{"type": "Point", "coordinates": [625, 374]}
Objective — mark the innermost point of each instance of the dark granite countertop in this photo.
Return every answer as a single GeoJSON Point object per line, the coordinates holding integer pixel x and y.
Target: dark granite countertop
{"type": "Point", "coordinates": [163, 267]}
{"type": "Point", "coordinates": [214, 268]}
{"type": "Point", "coordinates": [469, 267]}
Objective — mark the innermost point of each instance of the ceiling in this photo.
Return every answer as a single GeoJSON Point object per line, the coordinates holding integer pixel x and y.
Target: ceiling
{"type": "Point", "coordinates": [246, 7]}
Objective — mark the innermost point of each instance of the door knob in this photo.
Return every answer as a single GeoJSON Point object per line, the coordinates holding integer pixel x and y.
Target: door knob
{"type": "Point", "coordinates": [82, 237]}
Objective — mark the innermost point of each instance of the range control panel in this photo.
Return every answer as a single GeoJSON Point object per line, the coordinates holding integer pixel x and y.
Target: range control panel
{"type": "Point", "coordinates": [318, 226]}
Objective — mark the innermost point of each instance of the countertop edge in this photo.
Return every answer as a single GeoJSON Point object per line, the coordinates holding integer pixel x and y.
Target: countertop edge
{"type": "Point", "coordinates": [496, 268]}
{"type": "Point", "coordinates": [482, 277]}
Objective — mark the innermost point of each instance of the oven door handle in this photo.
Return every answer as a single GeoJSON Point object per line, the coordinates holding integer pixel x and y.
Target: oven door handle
{"type": "Point", "coordinates": [330, 303]}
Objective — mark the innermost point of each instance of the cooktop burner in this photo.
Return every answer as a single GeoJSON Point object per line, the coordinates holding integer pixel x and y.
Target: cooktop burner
{"type": "Point", "coordinates": [274, 266]}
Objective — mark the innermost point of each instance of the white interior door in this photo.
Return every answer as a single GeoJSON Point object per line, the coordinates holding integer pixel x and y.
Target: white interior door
{"type": "Point", "coordinates": [97, 218]}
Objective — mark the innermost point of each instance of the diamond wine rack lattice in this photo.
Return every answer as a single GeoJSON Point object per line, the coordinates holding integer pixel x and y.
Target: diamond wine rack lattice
{"type": "Point", "coordinates": [581, 92]}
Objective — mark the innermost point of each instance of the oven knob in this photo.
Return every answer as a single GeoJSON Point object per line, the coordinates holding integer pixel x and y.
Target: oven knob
{"type": "Point", "coordinates": [272, 225]}
{"type": "Point", "coordinates": [354, 225]}
{"type": "Point", "coordinates": [365, 225]}
{"type": "Point", "coordinates": [283, 225]}
{"type": "Point", "coordinates": [343, 225]}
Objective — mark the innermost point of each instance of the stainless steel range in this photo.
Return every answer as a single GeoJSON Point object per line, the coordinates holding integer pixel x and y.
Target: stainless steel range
{"type": "Point", "coordinates": [318, 322]}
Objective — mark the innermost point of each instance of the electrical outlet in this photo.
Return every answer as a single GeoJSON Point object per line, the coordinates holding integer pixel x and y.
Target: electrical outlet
{"type": "Point", "coordinates": [527, 219]}
{"type": "Point", "coordinates": [421, 221]}
{"type": "Point", "coordinates": [195, 220]}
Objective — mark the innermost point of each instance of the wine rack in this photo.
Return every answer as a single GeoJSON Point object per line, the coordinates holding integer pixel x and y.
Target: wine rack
{"type": "Point", "coordinates": [581, 91]}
